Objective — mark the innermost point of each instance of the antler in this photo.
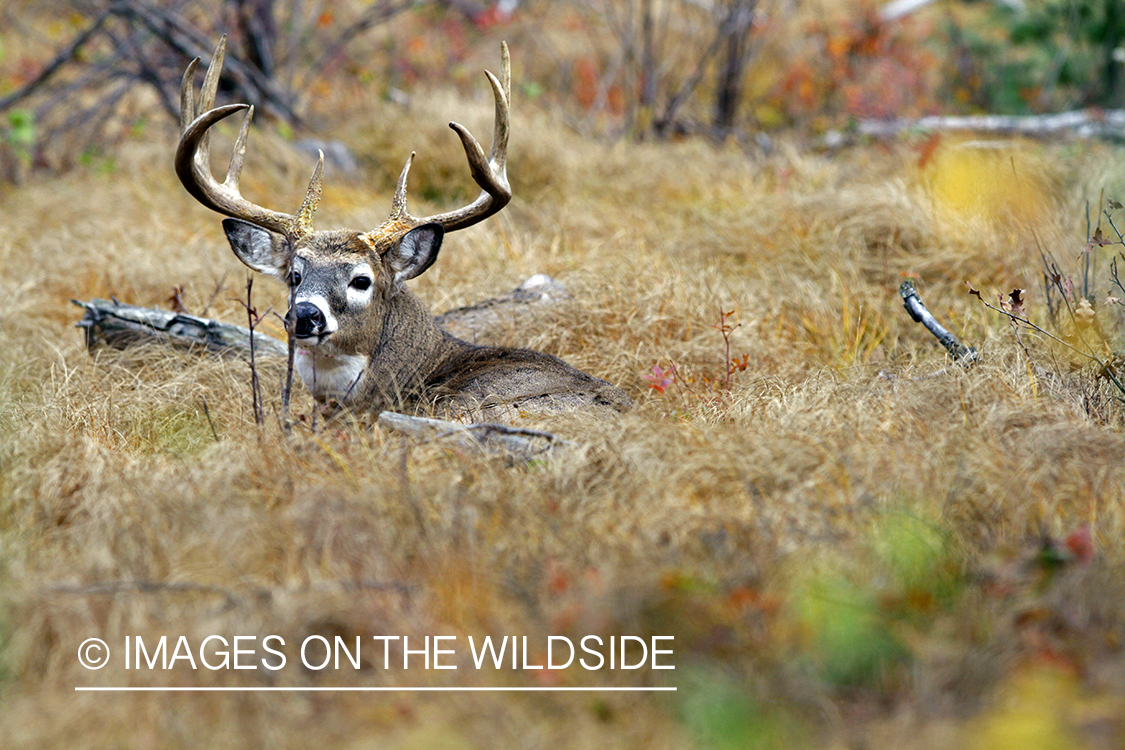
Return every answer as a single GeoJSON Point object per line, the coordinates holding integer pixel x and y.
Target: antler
{"type": "Point", "coordinates": [489, 173]}
{"type": "Point", "coordinates": [193, 157]}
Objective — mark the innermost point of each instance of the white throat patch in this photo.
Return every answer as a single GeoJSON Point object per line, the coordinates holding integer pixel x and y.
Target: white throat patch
{"type": "Point", "coordinates": [331, 376]}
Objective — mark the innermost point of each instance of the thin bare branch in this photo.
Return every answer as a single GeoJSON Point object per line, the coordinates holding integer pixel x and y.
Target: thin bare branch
{"type": "Point", "coordinates": [61, 59]}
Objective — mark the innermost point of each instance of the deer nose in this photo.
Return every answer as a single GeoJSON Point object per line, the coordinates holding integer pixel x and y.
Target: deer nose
{"type": "Point", "coordinates": [310, 320]}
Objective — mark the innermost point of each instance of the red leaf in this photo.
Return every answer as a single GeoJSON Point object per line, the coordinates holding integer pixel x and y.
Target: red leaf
{"type": "Point", "coordinates": [1015, 302]}
{"type": "Point", "coordinates": [660, 378]}
{"type": "Point", "coordinates": [1080, 542]}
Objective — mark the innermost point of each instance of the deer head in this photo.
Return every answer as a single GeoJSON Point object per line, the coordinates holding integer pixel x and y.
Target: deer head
{"type": "Point", "coordinates": [341, 281]}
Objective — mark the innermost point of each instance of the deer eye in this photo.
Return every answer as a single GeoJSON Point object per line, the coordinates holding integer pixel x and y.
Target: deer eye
{"type": "Point", "coordinates": [295, 278]}
{"type": "Point", "coordinates": [361, 283]}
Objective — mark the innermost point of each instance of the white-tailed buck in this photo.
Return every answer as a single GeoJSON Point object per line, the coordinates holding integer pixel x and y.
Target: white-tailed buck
{"type": "Point", "coordinates": [362, 338]}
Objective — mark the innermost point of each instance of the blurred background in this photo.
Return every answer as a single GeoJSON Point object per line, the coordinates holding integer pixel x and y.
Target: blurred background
{"type": "Point", "coordinates": [79, 76]}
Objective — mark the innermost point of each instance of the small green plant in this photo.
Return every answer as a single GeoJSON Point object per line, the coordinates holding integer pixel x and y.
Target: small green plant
{"type": "Point", "coordinates": [1044, 56]}
{"type": "Point", "coordinates": [20, 135]}
{"type": "Point", "coordinates": [722, 712]}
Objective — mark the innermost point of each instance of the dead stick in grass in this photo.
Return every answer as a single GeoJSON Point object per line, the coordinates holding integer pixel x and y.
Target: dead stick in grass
{"type": "Point", "coordinates": [1105, 368]}
{"type": "Point", "coordinates": [253, 320]}
{"type": "Point", "coordinates": [291, 344]}
{"type": "Point", "coordinates": [913, 304]}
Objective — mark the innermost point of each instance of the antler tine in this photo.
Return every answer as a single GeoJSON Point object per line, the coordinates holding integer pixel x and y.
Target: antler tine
{"type": "Point", "coordinates": [193, 157]}
{"type": "Point", "coordinates": [502, 91]}
{"type": "Point", "coordinates": [234, 169]}
{"type": "Point", "coordinates": [187, 95]}
{"type": "Point", "coordinates": [398, 204]}
{"type": "Point", "coordinates": [303, 224]}
{"type": "Point", "coordinates": [490, 172]}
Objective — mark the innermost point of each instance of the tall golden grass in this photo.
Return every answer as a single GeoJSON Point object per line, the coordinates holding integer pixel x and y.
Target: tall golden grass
{"type": "Point", "coordinates": [857, 543]}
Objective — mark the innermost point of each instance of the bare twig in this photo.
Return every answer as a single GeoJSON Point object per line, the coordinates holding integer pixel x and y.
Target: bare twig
{"type": "Point", "coordinates": [287, 388]}
{"type": "Point", "coordinates": [1120, 237]}
{"type": "Point", "coordinates": [1039, 329]}
{"type": "Point", "coordinates": [1113, 274]}
{"type": "Point", "coordinates": [219, 287]}
{"type": "Point", "coordinates": [252, 316]}
{"type": "Point", "coordinates": [54, 66]}
{"type": "Point", "coordinates": [210, 422]}
{"type": "Point", "coordinates": [313, 388]}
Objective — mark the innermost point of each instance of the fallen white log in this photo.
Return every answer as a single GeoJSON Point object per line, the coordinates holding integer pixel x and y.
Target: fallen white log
{"type": "Point", "coordinates": [120, 325]}
{"type": "Point", "coordinates": [1083, 123]}
{"type": "Point", "coordinates": [516, 442]}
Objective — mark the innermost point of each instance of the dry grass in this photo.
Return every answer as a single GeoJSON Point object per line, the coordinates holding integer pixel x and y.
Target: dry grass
{"type": "Point", "coordinates": [844, 545]}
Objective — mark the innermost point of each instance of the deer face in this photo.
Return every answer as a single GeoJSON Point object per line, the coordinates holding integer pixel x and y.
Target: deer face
{"type": "Point", "coordinates": [341, 282]}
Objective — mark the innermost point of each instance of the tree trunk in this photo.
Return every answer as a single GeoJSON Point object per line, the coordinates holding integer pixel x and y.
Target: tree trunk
{"type": "Point", "coordinates": [736, 48]}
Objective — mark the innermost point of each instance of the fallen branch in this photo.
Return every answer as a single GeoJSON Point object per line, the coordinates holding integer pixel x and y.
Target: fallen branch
{"type": "Point", "coordinates": [517, 442]}
{"type": "Point", "coordinates": [1085, 123]}
{"type": "Point", "coordinates": [475, 322]}
{"type": "Point", "coordinates": [74, 102]}
{"type": "Point", "coordinates": [913, 304]}
{"type": "Point", "coordinates": [52, 67]}
{"type": "Point", "coordinates": [118, 325]}
{"type": "Point", "coordinates": [188, 42]}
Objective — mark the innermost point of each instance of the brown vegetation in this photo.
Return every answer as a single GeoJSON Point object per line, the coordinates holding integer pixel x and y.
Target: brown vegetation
{"type": "Point", "coordinates": [854, 543]}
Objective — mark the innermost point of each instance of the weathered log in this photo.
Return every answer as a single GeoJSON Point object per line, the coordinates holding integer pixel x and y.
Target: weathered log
{"type": "Point", "coordinates": [474, 323]}
{"type": "Point", "coordinates": [1083, 123]}
{"type": "Point", "coordinates": [515, 442]}
{"type": "Point", "coordinates": [120, 325]}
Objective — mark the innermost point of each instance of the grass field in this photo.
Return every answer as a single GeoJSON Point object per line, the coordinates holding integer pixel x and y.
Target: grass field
{"type": "Point", "coordinates": [853, 544]}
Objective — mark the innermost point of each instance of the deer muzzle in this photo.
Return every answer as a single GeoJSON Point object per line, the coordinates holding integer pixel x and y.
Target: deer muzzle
{"type": "Point", "coordinates": [309, 321]}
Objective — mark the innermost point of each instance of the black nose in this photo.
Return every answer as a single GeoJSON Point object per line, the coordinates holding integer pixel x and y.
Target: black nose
{"type": "Point", "coordinates": [310, 320]}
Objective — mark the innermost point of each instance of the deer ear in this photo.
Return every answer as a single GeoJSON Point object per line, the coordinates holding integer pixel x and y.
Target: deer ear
{"type": "Point", "coordinates": [416, 251]}
{"type": "Point", "coordinates": [259, 249]}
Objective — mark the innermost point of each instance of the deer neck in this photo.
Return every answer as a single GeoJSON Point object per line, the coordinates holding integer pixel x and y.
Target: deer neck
{"type": "Point", "coordinates": [410, 348]}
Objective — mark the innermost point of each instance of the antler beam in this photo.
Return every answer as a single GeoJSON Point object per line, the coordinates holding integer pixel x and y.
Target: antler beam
{"type": "Point", "coordinates": [193, 157]}
{"type": "Point", "coordinates": [490, 172]}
